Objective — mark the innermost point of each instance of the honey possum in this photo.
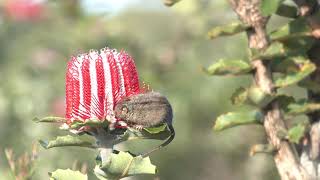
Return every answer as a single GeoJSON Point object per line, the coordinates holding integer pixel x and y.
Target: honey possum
{"type": "Point", "coordinates": [146, 110]}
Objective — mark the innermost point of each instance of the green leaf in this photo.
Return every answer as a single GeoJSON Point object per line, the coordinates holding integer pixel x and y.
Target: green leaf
{"type": "Point", "coordinates": [288, 11]}
{"type": "Point", "coordinates": [89, 122]}
{"type": "Point", "coordinates": [310, 85]}
{"type": "Point", "coordinates": [259, 98]}
{"type": "Point", "coordinates": [297, 132]}
{"type": "Point", "coordinates": [50, 119]}
{"type": "Point", "coordinates": [160, 133]}
{"type": "Point", "coordinates": [302, 107]}
{"type": "Point", "coordinates": [170, 2]}
{"type": "Point", "coordinates": [252, 96]}
{"type": "Point", "coordinates": [268, 7]}
{"type": "Point", "coordinates": [275, 50]}
{"type": "Point", "coordinates": [299, 46]}
{"type": "Point", "coordinates": [240, 96]}
{"type": "Point", "coordinates": [227, 30]}
{"type": "Point", "coordinates": [224, 67]}
{"type": "Point", "coordinates": [290, 78]}
{"type": "Point", "coordinates": [284, 101]}
{"type": "Point", "coordinates": [289, 65]}
{"type": "Point", "coordinates": [67, 141]}
{"type": "Point", "coordinates": [294, 29]}
{"type": "Point", "coordinates": [232, 119]}
{"type": "Point", "coordinates": [156, 129]}
{"type": "Point", "coordinates": [67, 174]}
{"type": "Point", "coordinates": [124, 164]}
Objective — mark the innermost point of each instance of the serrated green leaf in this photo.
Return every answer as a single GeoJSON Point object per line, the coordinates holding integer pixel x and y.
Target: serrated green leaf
{"type": "Point", "coordinates": [288, 11]}
{"type": "Point", "coordinates": [133, 134]}
{"type": "Point", "coordinates": [310, 85]}
{"type": "Point", "coordinates": [67, 141]}
{"type": "Point", "coordinates": [156, 129]}
{"type": "Point", "coordinates": [50, 119]}
{"type": "Point", "coordinates": [275, 50]}
{"type": "Point", "coordinates": [297, 132]}
{"type": "Point", "coordinates": [232, 119]}
{"type": "Point", "coordinates": [294, 29]}
{"type": "Point", "coordinates": [240, 96]}
{"type": "Point", "coordinates": [232, 67]}
{"type": "Point", "coordinates": [268, 7]}
{"type": "Point", "coordinates": [67, 174]}
{"type": "Point", "coordinates": [124, 164]}
{"type": "Point", "coordinates": [288, 65]}
{"type": "Point", "coordinates": [302, 107]}
{"type": "Point", "coordinates": [89, 122]}
{"type": "Point", "coordinates": [290, 78]}
{"type": "Point", "coordinates": [227, 30]}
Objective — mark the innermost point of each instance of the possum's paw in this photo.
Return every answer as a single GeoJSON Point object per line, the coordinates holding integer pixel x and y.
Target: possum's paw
{"type": "Point", "coordinates": [138, 127]}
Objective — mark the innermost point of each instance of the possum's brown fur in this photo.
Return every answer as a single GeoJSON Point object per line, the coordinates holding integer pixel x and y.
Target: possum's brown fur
{"type": "Point", "coordinates": [147, 109]}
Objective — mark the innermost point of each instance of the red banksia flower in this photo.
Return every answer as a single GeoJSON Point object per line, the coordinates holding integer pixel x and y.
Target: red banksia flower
{"type": "Point", "coordinates": [24, 10]}
{"type": "Point", "coordinates": [95, 82]}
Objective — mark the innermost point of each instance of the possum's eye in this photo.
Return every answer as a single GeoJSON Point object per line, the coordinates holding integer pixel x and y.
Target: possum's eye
{"type": "Point", "coordinates": [126, 109]}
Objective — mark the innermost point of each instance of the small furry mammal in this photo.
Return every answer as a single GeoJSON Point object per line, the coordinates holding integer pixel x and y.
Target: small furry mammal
{"type": "Point", "coordinates": [146, 110]}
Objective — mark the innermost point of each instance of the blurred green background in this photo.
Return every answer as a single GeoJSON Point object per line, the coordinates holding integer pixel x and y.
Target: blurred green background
{"type": "Point", "coordinates": [169, 46]}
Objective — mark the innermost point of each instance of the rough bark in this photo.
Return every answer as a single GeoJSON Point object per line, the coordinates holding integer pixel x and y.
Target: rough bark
{"type": "Point", "coordinates": [285, 157]}
{"type": "Point", "coordinates": [309, 156]}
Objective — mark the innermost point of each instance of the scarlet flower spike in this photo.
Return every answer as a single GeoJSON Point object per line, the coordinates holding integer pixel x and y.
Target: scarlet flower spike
{"type": "Point", "coordinates": [95, 82]}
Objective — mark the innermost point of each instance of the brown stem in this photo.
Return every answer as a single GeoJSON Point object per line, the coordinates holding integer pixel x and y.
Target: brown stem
{"type": "Point", "coordinates": [309, 156]}
{"type": "Point", "coordinates": [285, 158]}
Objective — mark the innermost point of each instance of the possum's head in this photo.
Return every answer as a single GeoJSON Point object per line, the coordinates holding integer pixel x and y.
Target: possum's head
{"type": "Point", "coordinates": [147, 109]}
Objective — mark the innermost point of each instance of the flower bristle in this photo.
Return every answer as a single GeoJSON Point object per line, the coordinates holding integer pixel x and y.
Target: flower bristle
{"type": "Point", "coordinates": [145, 88]}
{"type": "Point", "coordinates": [95, 82]}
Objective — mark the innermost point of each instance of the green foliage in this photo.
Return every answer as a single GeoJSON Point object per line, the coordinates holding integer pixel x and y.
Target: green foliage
{"type": "Point", "coordinates": [296, 133]}
{"type": "Point", "coordinates": [227, 30]}
{"type": "Point", "coordinates": [275, 50]}
{"type": "Point", "coordinates": [156, 129]}
{"type": "Point", "coordinates": [240, 96]}
{"type": "Point", "coordinates": [302, 107]}
{"type": "Point", "coordinates": [90, 122]}
{"type": "Point", "coordinates": [67, 174]}
{"type": "Point", "coordinates": [232, 119]}
{"type": "Point", "coordinates": [50, 119]}
{"type": "Point", "coordinates": [294, 29]}
{"type": "Point", "coordinates": [269, 7]}
{"type": "Point", "coordinates": [252, 96]}
{"type": "Point", "coordinates": [68, 140]}
{"type": "Point", "coordinates": [158, 133]}
{"type": "Point", "coordinates": [229, 67]}
{"type": "Point", "coordinates": [310, 85]}
{"type": "Point", "coordinates": [288, 11]}
{"type": "Point", "coordinates": [122, 165]}
{"type": "Point", "coordinates": [289, 64]}
{"type": "Point", "coordinates": [293, 77]}
{"type": "Point", "coordinates": [258, 97]}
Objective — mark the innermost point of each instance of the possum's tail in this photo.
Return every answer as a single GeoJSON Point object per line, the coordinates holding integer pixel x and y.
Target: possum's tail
{"type": "Point", "coordinates": [168, 141]}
